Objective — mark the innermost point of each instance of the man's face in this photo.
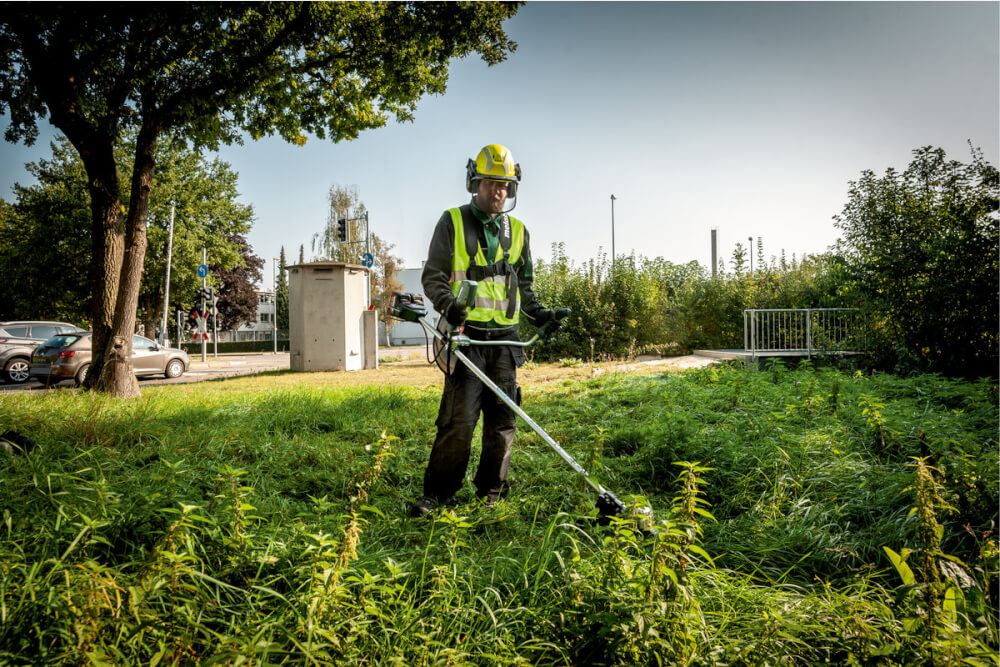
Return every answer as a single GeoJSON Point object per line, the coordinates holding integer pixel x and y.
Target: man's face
{"type": "Point", "coordinates": [491, 196]}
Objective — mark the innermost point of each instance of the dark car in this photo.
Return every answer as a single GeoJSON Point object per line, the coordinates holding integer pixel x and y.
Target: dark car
{"type": "Point", "coordinates": [19, 339]}
{"type": "Point", "coordinates": [67, 357]}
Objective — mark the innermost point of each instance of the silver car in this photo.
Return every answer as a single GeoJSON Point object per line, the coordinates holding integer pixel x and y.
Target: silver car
{"type": "Point", "coordinates": [67, 357]}
{"type": "Point", "coordinates": [19, 339]}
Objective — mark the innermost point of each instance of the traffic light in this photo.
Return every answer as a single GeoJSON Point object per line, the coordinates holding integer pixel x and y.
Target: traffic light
{"type": "Point", "coordinates": [342, 229]}
{"type": "Point", "coordinates": [210, 294]}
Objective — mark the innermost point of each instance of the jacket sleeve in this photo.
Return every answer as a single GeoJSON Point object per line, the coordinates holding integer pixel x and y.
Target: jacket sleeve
{"type": "Point", "coordinates": [525, 278]}
{"type": "Point", "coordinates": [436, 277]}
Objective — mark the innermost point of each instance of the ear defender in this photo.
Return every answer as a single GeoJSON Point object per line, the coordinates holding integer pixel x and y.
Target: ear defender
{"type": "Point", "coordinates": [470, 175]}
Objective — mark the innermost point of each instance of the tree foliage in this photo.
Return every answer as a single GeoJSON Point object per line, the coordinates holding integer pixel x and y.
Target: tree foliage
{"type": "Point", "coordinates": [921, 252]}
{"type": "Point", "coordinates": [47, 234]}
{"type": "Point", "coordinates": [210, 72]}
{"type": "Point", "coordinates": [45, 243]}
{"type": "Point", "coordinates": [281, 293]}
{"type": "Point", "coordinates": [236, 286]}
{"type": "Point", "coordinates": [207, 214]}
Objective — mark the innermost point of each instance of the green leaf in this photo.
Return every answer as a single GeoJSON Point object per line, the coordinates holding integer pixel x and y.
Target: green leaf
{"type": "Point", "coordinates": [899, 562]}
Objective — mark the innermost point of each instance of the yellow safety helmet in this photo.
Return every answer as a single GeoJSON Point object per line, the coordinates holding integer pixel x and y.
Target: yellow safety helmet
{"type": "Point", "coordinates": [495, 163]}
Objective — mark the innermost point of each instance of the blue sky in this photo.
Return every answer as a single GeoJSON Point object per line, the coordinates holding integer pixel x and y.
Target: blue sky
{"type": "Point", "coordinates": [748, 117]}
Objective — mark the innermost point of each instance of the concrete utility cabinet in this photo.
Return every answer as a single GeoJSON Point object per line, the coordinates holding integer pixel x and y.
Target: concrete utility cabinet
{"type": "Point", "coordinates": [330, 326]}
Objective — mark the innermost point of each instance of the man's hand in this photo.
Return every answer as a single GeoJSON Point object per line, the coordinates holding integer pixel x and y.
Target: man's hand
{"type": "Point", "coordinates": [455, 315]}
{"type": "Point", "coordinates": [550, 319]}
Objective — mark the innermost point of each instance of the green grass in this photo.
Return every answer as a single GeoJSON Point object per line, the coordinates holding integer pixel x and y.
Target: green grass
{"type": "Point", "coordinates": [231, 523]}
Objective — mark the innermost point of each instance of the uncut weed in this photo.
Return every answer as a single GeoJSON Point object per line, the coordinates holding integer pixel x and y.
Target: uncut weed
{"type": "Point", "coordinates": [194, 525]}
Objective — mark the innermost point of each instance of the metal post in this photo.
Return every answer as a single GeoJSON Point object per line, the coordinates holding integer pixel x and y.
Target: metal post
{"type": "Point", "coordinates": [750, 240]}
{"type": "Point", "coordinates": [204, 286]}
{"type": "Point", "coordinates": [612, 231]}
{"type": "Point", "coordinates": [715, 253]}
{"type": "Point", "coordinates": [166, 289]}
{"type": "Point", "coordinates": [215, 325]}
{"type": "Point", "coordinates": [809, 340]}
{"type": "Point", "coordinates": [371, 269]}
{"type": "Point", "coordinates": [274, 315]}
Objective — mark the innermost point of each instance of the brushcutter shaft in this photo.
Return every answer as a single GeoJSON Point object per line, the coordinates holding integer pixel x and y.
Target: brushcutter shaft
{"type": "Point", "coordinates": [520, 413]}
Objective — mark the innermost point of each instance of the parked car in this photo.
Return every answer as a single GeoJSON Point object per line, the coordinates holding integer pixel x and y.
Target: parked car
{"type": "Point", "coordinates": [19, 339]}
{"type": "Point", "coordinates": [67, 357]}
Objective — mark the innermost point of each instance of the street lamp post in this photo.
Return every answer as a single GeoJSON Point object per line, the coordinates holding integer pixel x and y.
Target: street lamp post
{"type": "Point", "coordinates": [613, 230]}
{"type": "Point", "coordinates": [750, 241]}
{"type": "Point", "coordinates": [274, 316]}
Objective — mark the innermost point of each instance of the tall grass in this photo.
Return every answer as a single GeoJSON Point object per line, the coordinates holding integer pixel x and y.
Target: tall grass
{"type": "Point", "coordinates": [221, 523]}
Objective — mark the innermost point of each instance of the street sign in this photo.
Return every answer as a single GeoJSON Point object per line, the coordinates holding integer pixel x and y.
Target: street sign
{"type": "Point", "coordinates": [202, 271]}
{"type": "Point", "coordinates": [367, 260]}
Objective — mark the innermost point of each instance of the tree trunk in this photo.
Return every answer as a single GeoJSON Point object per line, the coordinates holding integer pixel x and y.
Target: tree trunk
{"type": "Point", "coordinates": [107, 244]}
{"type": "Point", "coordinates": [118, 375]}
{"type": "Point", "coordinates": [152, 314]}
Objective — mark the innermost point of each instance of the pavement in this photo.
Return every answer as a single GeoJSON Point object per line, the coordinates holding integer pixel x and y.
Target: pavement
{"type": "Point", "coordinates": [263, 360]}
{"type": "Point", "coordinates": [282, 360]}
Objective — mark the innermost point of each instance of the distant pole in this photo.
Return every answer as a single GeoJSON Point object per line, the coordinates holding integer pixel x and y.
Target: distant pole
{"type": "Point", "coordinates": [371, 269]}
{"type": "Point", "coordinates": [750, 240]}
{"type": "Point", "coordinates": [715, 253]}
{"type": "Point", "coordinates": [166, 289]}
{"type": "Point", "coordinates": [215, 324]}
{"type": "Point", "coordinates": [204, 285]}
{"type": "Point", "coordinates": [612, 231]}
{"type": "Point", "coordinates": [274, 317]}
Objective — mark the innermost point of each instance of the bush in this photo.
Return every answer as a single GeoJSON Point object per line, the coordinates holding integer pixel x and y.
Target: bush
{"type": "Point", "coordinates": [921, 255]}
{"type": "Point", "coordinates": [639, 305]}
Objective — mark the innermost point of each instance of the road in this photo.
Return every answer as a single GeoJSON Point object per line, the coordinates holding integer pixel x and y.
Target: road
{"type": "Point", "coordinates": [226, 365]}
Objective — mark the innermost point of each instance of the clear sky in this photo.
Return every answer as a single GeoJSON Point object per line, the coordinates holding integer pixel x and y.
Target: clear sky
{"type": "Point", "coordinates": [748, 117]}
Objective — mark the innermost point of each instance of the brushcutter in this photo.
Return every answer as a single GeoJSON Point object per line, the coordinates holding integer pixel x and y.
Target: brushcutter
{"type": "Point", "coordinates": [448, 342]}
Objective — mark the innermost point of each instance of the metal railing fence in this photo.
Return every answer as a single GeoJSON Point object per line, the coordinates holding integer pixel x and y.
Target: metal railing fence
{"type": "Point", "coordinates": [803, 330]}
{"type": "Point", "coordinates": [243, 336]}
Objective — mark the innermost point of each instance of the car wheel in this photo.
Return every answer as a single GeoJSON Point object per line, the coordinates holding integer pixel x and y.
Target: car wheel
{"type": "Point", "coordinates": [175, 368]}
{"type": "Point", "coordinates": [16, 370]}
{"type": "Point", "coordinates": [81, 375]}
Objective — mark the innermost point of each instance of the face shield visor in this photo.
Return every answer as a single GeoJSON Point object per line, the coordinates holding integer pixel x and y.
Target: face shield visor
{"type": "Point", "coordinates": [491, 206]}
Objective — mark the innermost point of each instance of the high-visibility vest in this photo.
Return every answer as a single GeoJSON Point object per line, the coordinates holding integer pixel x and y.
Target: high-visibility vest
{"type": "Point", "coordinates": [497, 297]}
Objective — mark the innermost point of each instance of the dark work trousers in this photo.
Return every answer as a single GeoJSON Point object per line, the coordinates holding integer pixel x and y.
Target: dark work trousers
{"type": "Point", "coordinates": [464, 397]}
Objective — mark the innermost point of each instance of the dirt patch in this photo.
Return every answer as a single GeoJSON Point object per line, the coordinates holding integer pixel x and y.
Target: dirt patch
{"type": "Point", "coordinates": [412, 369]}
{"type": "Point", "coordinates": [419, 372]}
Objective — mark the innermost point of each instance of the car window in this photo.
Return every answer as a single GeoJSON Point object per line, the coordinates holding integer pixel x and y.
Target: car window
{"type": "Point", "coordinates": [59, 342]}
{"type": "Point", "coordinates": [44, 331]}
{"type": "Point", "coordinates": [69, 329]}
{"type": "Point", "coordinates": [140, 343]}
{"type": "Point", "coordinates": [17, 332]}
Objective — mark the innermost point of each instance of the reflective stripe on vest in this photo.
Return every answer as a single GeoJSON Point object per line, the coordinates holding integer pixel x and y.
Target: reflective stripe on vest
{"type": "Point", "coordinates": [492, 299]}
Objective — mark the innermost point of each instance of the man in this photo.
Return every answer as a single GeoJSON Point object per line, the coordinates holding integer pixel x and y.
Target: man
{"type": "Point", "coordinates": [481, 242]}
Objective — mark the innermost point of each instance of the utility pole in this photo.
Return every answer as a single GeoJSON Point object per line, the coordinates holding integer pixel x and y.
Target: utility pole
{"type": "Point", "coordinates": [715, 253]}
{"type": "Point", "coordinates": [166, 289]}
{"type": "Point", "coordinates": [274, 316]}
{"type": "Point", "coordinates": [750, 240]}
{"type": "Point", "coordinates": [612, 231]}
